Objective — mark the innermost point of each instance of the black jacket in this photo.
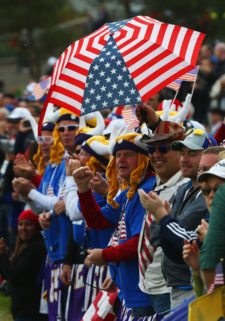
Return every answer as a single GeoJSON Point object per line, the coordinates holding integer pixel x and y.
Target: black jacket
{"type": "Point", "coordinates": [24, 278]}
{"type": "Point", "coordinates": [188, 212]}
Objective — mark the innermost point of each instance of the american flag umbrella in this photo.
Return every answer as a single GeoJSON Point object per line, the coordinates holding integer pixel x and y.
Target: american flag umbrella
{"type": "Point", "coordinates": [122, 63]}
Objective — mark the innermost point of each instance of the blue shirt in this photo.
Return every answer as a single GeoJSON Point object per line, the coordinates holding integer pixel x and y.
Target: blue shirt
{"type": "Point", "coordinates": [128, 271]}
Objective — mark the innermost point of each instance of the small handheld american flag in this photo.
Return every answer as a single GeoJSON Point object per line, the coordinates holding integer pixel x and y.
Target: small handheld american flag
{"type": "Point", "coordinates": [219, 277]}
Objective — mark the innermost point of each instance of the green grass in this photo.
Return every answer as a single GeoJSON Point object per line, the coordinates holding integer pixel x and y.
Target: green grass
{"type": "Point", "coordinates": [5, 314]}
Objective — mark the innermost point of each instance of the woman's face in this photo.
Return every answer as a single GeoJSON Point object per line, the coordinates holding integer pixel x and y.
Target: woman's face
{"type": "Point", "coordinates": [26, 230]}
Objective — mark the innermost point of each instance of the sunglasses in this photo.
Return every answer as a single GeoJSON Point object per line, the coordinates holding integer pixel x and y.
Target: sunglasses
{"type": "Point", "coordinates": [44, 139]}
{"type": "Point", "coordinates": [68, 128]}
{"type": "Point", "coordinates": [163, 149]}
{"type": "Point", "coordinates": [207, 191]}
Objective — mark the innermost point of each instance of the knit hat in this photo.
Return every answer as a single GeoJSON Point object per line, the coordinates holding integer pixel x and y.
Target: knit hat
{"type": "Point", "coordinates": [48, 126]}
{"type": "Point", "coordinates": [196, 139]}
{"type": "Point", "coordinates": [65, 114]}
{"type": "Point", "coordinates": [81, 138]}
{"type": "Point", "coordinates": [165, 131]}
{"type": "Point", "coordinates": [29, 215]}
{"type": "Point", "coordinates": [131, 141]}
{"type": "Point", "coordinates": [98, 147]}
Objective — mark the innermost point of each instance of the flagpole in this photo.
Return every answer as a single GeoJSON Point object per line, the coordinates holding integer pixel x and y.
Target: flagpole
{"type": "Point", "coordinates": [174, 98]}
{"type": "Point", "coordinates": [193, 87]}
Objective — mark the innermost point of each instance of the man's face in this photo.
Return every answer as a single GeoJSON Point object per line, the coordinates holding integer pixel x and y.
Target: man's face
{"type": "Point", "coordinates": [207, 161]}
{"type": "Point", "coordinates": [164, 161]}
{"type": "Point", "coordinates": [209, 188]}
{"type": "Point", "coordinates": [126, 162]}
{"type": "Point", "coordinates": [67, 131]}
{"type": "Point", "coordinates": [46, 143]}
{"type": "Point", "coordinates": [189, 162]}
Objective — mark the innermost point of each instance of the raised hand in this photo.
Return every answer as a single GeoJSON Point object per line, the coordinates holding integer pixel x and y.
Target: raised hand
{"type": "Point", "coordinates": [191, 254]}
{"type": "Point", "coordinates": [82, 177]}
{"type": "Point", "coordinates": [152, 203]}
{"type": "Point", "coordinates": [71, 166]}
{"type": "Point", "coordinates": [22, 186]}
{"type": "Point", "coordinates": [99, 184]}
{"type": "Point", "coordinates": [202, 230]}
{"type": "Point", "coordinates": [146, 114]}
{"type": "Point", "coordinates": [22, 167]}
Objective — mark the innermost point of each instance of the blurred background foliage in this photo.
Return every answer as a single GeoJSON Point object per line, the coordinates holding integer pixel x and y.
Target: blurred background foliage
{"type": "Point", "coordinates": [32, 30]}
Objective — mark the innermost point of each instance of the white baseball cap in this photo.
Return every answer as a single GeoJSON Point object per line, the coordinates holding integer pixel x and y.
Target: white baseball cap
{"type": "Point", "coordinates": [19, 112]}
{"type": "Point", "coordinates": [217, 170]}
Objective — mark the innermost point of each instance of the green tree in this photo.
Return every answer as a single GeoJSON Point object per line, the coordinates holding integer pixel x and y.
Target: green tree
{"type": "Point", "coordinates": [32, 23]}
{"type": "Point", "coordinates": [207, 16]}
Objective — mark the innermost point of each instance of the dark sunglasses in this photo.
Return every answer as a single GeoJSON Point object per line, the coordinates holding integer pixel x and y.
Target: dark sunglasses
{"type": "Point", "coordinates": [163, 149]}
{"type": "Point", "coordinates": [207, 191]}
{"type": "Point", "coordinates": [68, 128]}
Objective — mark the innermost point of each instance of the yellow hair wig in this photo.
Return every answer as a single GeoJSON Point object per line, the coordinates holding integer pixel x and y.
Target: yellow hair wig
{"type": "Point", "coordinates": [39, 161]}
{"type": "Point", "coordinates": [57, 149]}
{"type": "Point", "coordinates": [135, 178]}
{"type": "Point", "coordinates": [93, 163]}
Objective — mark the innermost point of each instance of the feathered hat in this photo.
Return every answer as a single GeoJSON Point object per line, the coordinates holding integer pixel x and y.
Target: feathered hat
{"type": "Point", "coordinates": [98, 148]}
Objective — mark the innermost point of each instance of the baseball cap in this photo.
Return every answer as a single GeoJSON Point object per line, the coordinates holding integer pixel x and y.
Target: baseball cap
{"type": "Point", "coordinates": [216, 170]}
{"type": "Point", "coordinates": [196, 139]}
{"type": "Point", "coordinates": [18, 113]}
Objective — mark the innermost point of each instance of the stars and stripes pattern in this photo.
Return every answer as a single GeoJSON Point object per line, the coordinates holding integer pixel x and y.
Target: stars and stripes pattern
{"type": "Point", "coordinates": [102, 307]}
{"type": "Point", "coordinates": [191, 75]}
{"type": "Point", "coordinates": [120, 232]}
{"type": "Point", "coordinates": [219, 277]}
{"type": "Point", "coordinates": [41, 88]}
{"type": "Point", "coordinates": [146, 252]}
{"type": "Point", "coordinates": [108, 83]}
{"type": "Point", "coordinates": [156, 53]}
{"type": "Point", "coordinates": [71, 71]}
{"type": "Point", "coordinates": [175, 85]}
{"type": "Point", "coordinates": [130, 118]}
{"type": "Point", "coordinates": [153, 53]}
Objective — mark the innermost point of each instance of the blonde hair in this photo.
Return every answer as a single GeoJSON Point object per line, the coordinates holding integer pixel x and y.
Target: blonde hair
{"type": "Point", "coordinates": [135, 178]}
{"type": "Point", "coordinates": [222, 155]}
{"type": "Point", "coordinates": [57, 149]}
{"type": "Point", "coordinates": [93, 163]}
{"type": "Point", "coordinates": [39, 161]}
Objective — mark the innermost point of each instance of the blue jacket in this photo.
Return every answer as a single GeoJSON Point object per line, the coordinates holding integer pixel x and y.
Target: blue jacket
{"type": "Point", "coordinates": [127, 277]}
{"type": "Point", "coordinates": [57, 235]}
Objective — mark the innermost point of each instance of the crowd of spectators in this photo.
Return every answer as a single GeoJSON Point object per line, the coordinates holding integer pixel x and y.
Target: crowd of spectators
{"type": "Point", "coordinates": [91, 205]}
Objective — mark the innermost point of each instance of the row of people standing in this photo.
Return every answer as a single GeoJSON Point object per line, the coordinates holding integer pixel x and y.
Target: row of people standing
{"type": "Point", "coordinates": [164, 163]}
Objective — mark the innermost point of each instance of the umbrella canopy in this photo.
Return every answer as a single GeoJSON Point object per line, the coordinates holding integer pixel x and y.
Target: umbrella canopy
{"type": "Point", "coordinates": [122, 63]}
